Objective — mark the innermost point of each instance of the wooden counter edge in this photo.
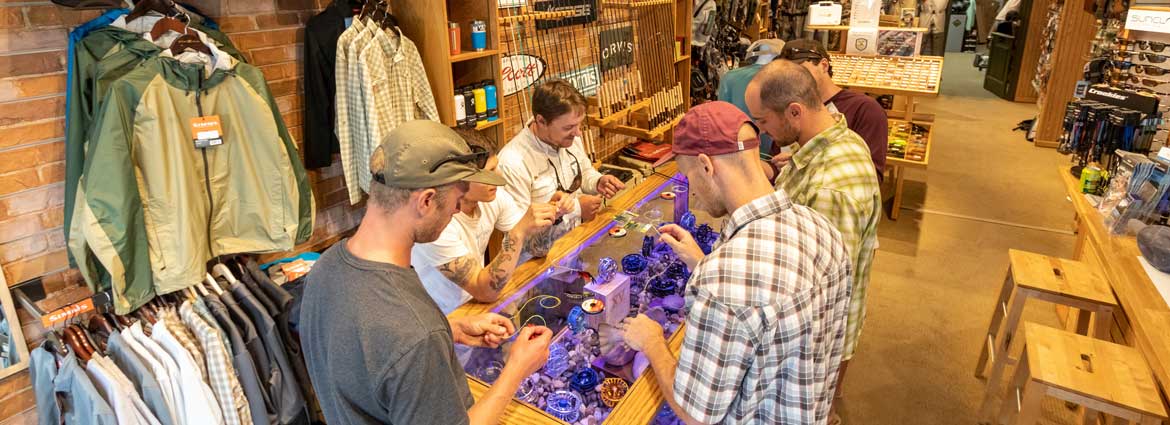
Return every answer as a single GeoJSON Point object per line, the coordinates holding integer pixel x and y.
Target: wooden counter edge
{"type": "Point", "coordinates": [1138, 296]}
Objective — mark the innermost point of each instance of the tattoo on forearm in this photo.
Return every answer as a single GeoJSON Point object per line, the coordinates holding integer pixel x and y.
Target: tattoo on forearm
{"type": "Point", "coordinates": [458, 270]}
{"type": "Point", "coordinates": [540, 243]}
{"type": "Point", "coordinates": [502, 266]}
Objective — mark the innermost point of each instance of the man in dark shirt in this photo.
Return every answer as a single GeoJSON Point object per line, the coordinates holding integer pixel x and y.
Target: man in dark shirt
{"type": "Point", "coordinates": [378, 348]}
{"type": "Point", "coordinates": [863, 115]}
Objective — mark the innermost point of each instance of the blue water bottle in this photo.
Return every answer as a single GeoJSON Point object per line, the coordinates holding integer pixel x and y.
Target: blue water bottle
{"type": "Point", "coordinates": [489, 93]}
{"type": "Point", "coordinates": [478, 35]}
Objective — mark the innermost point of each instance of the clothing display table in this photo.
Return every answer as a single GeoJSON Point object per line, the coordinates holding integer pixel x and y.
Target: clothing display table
{"type": "Point", "coordinates": [1144, 319]}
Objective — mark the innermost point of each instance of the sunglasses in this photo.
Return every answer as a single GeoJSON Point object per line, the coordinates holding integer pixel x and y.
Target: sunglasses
{"type": "Point", "coordinates": [1152, 46]}
{"type": "Point", "coordinates": [478, 157]}
{"type": "Point", "coordinates": [576, 183]}
{"type": "Point", "coordinates": [801, 55]}
{"type": "Point", "coordinates": [1152, 58]}
{"type": "Point", "coordinates": [1151, 70]}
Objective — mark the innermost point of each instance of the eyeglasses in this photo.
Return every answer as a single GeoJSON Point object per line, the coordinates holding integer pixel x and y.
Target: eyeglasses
{"type": "Point", "coordinates": [478, 157]}
{"type": "Point", "coordinates": [576, 184]}
{"type": "Point", "coordinates": [1152, 46]}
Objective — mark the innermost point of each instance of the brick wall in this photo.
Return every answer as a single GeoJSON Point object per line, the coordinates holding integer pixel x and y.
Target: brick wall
{"type": "Point", "coordinates": [33, 39]}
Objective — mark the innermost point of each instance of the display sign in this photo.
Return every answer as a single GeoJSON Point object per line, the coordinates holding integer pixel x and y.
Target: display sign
{"type": "Point", "coordinates": [824, 13]}
{"type": "Point", "coordinates": [865, 13]}
{"type": "Point", "coordinates": [584, 11]}
{"type": "Point", "coordinates": [1141, 102]}
{"type": "Point", "coordinates": [584, 79]}
{"type": "Point", "coordinates": [520, 71]}
{"type": "Point", "coordinates": [1148, 20]}
{"type": "Point", "coordinates": [862, 41]}
{"type": "Point", "coordinates": [617, 47]}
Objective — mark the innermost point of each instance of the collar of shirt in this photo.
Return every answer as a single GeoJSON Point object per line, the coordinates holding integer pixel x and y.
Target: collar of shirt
{"type": "Point", "coordinates": [761, 207]}
{"type": "Point", "coordinates": [805, 154]}
{"type": "Point", "coordinates": [391, 42]}
{"type": "Point", "coordinates": [540, 151]}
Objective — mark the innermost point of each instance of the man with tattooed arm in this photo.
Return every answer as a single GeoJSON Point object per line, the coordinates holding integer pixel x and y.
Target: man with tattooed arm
{"type": "Point", "coordinates": [452, 268]}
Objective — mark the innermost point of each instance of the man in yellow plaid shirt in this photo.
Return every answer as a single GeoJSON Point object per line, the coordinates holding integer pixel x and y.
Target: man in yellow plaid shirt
{"type": "Point", "coordinates": [831, 171]}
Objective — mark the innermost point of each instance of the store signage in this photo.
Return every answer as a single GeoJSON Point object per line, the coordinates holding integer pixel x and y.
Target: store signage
{"type": "Point", "coordinates": [584, 11]}
{"type": "Point", "coordinates": [865, 13]}
{"type": "Point", "coordinates": [584, 79]}
{"type": "Point", "coordinates": [1144, 103]}
{"type": "Point", "coordinates": [617, 47]}
{"type": "Point", "coordinates": [1148, 20]}
{"type": "Point", "coordinates": [520, 71]}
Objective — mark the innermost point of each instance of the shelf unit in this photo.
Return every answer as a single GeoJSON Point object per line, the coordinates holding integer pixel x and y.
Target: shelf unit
{"type": "Point", "coordinates": [1069, 53]}
{"type": "Point", "coordinates": [425, 23]}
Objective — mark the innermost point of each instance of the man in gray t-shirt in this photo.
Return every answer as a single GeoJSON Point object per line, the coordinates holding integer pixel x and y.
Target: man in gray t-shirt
{"type": "Point", "coordinates": [377, 347]}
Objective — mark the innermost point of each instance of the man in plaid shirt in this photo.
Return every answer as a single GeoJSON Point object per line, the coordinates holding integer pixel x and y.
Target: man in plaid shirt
{"type": "Point", "coordinates": [832, 170]}
{"type": "Point", "coordinates": [766, 310]}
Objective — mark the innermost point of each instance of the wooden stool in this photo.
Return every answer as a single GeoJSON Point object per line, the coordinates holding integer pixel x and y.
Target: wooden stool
{"type": "Point", "coordinates": [1098, 375]}
{"type": "Point", "coordinates": [1051, 279]}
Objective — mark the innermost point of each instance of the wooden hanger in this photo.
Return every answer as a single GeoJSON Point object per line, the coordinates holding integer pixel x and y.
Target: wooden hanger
{"type": "Point", "coordinates": [189, 41]}
{"type": "Point", "coordinates": [163, 7]}
{"type": "Point", "coordinates": [210, 281]}
{"type": "Point", "coordinates": [169, 24]}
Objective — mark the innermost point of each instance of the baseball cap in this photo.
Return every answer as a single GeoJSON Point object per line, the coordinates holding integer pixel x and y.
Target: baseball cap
{"type": "Point", "coordinates": [767, 49]}
{"type": "Point", "coordinates": [803, 49]}
{"type": "Point", "coordinates": [423, 153]}
{"type": "Point", "coordinates": [712, 128]}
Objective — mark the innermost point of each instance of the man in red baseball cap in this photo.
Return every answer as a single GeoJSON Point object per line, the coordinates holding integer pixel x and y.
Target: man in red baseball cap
{"type": "Point", "coordinates": [767, 308]}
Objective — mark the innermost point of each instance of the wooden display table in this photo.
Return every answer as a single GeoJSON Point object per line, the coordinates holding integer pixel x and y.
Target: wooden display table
{"type": "Point", "coordinates": [1144, 319]}
{"type": "Point", "coordinates": [644, 397]}
{"type": "Point", "coordinates": [897, 166]}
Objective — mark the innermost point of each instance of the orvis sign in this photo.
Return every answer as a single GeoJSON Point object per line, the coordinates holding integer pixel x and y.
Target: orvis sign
{"type": "Point", "coordinates": [584, 79]}
{"type": "Point", "coordinates": [1148, 20]}
{"type": "Point", "coordinates": [520, 71]}
{"type": "Point", "coordinates": [617, 47]}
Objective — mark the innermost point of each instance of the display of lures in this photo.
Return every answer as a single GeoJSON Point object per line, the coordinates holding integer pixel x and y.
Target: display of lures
{"type": "Point", "coordinates": [476, 104]}
{"type": "Point", "coordinates": [589, 369]}
{"type": "Point", "coordinates": [908, 141]}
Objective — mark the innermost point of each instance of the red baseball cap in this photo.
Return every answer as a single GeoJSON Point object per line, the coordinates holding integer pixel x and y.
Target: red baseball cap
{"type": "Point", "coordinates": [712, 128]}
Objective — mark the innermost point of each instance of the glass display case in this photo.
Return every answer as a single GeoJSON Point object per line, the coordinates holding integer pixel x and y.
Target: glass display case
{"type": "Point", "coordinates": [618, 272]}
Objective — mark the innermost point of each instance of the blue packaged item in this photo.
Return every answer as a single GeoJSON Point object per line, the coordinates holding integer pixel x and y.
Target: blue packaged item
{"type": "Point", "coordinates": [493, 113]}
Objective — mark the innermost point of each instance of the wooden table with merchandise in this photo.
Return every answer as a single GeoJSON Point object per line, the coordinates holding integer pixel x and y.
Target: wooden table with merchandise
{"type": "Point", "coordinates": [873, 74]}
{"type": "Point", "coordinates": [1144, 321]}
{"type": "Point", "coordinates": [643, 398]}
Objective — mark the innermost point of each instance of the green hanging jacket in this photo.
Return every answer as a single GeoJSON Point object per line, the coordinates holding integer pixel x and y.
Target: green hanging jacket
{"type": "Point", "coordinates": [153, 209]}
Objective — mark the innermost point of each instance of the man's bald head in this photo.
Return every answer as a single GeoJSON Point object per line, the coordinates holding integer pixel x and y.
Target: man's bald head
{"type": "Point", "coordinates": [782, 83]}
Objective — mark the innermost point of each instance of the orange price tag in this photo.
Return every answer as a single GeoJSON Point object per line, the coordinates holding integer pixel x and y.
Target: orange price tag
{"type": "Point", "coordinates": [295, 269]}
{"type": "Point", "coordinates": [62, 314]}
{"type": "Point", "coordinates": [207, 131]}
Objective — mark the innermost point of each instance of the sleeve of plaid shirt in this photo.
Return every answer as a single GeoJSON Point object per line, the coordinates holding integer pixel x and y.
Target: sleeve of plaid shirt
{"type": "Point", "coordinates": [843, 212]}
{"type": "Point", "coordinates": [716, 354]}
{"type": "Point", "coordinates": [423, 98]}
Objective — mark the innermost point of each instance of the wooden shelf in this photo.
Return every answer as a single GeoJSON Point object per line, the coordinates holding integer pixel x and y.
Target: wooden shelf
{"type": "Point", "coordinates": [466, 56]}
{"type": "Point", "coordinates": [682, 58]}
{"type": "Point", "coordinates": [489, 124]}
{"type": "Point", "coordinates": [846, 28]}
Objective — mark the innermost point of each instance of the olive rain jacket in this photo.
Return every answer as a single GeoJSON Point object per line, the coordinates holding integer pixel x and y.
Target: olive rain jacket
{"type": "Point", "coordinates": [153, 209]}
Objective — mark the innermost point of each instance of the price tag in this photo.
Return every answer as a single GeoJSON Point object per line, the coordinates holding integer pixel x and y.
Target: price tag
{"type": "Point", "coordinates": [207, 131]}
{"type": "Point", "coordinates": [295, 269]}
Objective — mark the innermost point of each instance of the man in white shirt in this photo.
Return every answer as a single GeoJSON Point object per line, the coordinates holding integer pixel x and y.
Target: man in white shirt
{"type": "Point", "coordinates": [546, 163]}
{"type": "Point", "coordinates": [452, 267]}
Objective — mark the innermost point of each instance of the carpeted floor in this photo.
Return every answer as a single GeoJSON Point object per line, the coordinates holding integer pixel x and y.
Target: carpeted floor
{"type": "Point", "coordinates": [939, 267]}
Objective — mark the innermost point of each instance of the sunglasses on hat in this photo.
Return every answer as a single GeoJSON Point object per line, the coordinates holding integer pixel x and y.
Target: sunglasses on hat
{"type": "Point", "coordinates": [801, 55]}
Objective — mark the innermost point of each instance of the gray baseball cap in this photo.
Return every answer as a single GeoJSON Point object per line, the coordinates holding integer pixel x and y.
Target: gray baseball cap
{"type": "Point", "coordinates": [423, 153]}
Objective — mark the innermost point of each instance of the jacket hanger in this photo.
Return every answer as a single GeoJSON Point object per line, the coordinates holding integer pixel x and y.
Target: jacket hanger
{"type": "Point", "coordinates": [222, 270]}
{"type": "Point", "coordinates": [210, 281]}
{"type": "Point", "coordinates": [189, 41]}
{"type": "Point", "coordinates": [169, 24]}
{"type": "Point", "coordinates": [164, 7]}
